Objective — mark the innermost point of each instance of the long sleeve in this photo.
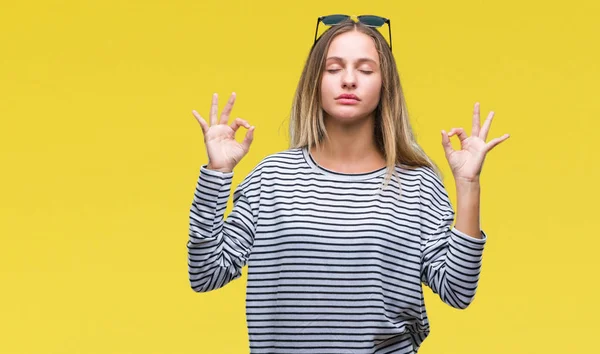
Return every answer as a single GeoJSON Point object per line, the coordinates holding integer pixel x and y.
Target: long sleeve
{"type": "Point", "coordinates": [218, 249]}
{"type": "Point", "coordinates": [450, 259]}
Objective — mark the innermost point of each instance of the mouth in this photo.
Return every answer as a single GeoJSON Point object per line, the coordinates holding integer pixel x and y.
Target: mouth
{"type": "Point", "coordinates": [347, 96]}
{"type": "Point", "coordinates": [347, 99]}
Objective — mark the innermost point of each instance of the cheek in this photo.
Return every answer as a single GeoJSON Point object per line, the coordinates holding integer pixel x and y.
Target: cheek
{"type": "Point", "coordinates": [374, 89]}
{"type": "Point", "coordinates": [326, 87]}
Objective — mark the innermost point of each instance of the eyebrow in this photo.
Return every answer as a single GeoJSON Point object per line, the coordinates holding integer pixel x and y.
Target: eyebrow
{"type": "Point", "coordinates": [360, 60]}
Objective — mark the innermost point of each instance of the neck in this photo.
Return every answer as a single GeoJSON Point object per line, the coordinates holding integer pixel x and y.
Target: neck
{"type": "Point", "coordinates": [350, 148]}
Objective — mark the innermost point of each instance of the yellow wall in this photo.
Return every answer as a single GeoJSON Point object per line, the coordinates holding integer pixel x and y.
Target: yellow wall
{"type": "Point", "coordinates": [99, 154]}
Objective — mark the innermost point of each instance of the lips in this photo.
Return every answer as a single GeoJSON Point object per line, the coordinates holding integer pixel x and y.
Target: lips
{"type": "Point", "coordinates": [347, 96]}
{"type": "Point", "coordinates": [347, 99]}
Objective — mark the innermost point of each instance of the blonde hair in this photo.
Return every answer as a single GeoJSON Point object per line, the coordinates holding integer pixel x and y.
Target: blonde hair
{"type": "Point", "coordinates": [393, 133]}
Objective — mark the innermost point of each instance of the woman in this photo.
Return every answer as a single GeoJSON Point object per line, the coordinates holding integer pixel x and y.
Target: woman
{"type": "Point", "coordinates": [337, 250]}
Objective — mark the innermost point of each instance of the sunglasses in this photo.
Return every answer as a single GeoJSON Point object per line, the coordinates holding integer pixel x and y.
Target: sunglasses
{"type": "Point", "coordinates": [367, 20]}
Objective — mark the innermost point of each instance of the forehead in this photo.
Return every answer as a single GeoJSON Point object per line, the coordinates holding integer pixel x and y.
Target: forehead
{"type": "Point", "coordinates": [353, 45]}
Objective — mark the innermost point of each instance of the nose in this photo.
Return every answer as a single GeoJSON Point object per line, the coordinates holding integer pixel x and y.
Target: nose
{"type": "Point", "coordinates": [349, 79]}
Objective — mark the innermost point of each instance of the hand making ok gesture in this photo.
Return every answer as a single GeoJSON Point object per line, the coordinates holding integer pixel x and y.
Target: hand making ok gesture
{"type": "Point", "coordinates": [224, 152]}
{"type": "Point", "coordinates": [467, 162]}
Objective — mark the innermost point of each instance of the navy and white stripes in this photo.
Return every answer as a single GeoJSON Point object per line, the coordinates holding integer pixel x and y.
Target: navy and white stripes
{"type": "Point", "coordinates": [334, 264]}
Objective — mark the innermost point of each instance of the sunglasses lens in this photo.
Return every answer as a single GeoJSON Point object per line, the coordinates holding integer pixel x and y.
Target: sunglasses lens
{"type": "Point", "coordinates": [373, 21]}
{"type": "Point", "coordinates": [333, 19]}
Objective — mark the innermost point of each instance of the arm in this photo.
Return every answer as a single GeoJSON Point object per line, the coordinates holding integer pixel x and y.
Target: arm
{"type": "Point", "coordinates": [218, 249]}
{"type": "Point", "coordinates": [468, 200]}
{"type": "Point", "coordinates": [450, 259]}
{"type": "Point", "coordinates": [451, 256]}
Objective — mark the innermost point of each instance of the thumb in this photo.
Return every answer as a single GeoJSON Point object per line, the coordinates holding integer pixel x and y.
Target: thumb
{"type": "Point", "coordinates": [248, 138]}
{"type": "Point", "coordinates": [446, 143]}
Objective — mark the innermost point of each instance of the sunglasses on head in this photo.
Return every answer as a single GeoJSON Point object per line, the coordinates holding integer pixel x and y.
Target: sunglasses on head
{"type": "Point", "coordinates": [367, 20]}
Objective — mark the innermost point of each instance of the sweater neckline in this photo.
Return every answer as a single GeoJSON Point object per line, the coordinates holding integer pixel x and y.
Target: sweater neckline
{"type": "Point", "coordinates": [340, 175]}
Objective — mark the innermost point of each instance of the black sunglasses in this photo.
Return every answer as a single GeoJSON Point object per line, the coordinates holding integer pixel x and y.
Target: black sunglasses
{"type": "Point", "coordinates": [367, 20]}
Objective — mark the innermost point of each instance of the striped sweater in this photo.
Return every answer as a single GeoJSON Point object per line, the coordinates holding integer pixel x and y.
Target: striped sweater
{"type": "Point", "coordinates": [335, 264]}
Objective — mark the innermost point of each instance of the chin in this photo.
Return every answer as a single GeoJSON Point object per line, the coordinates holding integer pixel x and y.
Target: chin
{"type": "Point", "coordinates": [349, 114]}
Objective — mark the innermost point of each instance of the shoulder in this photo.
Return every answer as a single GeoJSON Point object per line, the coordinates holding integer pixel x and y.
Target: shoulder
{"type": "Point", "coordinates": [424, 181]}
{"type": "Point", "coordinates": [424, 176]}
{"type": "Point", "coordinates": [433, 195]}
{"type": "Point", "coordinates": [282, 158]}
{"type": "Point", "coordinates": [280, 161]}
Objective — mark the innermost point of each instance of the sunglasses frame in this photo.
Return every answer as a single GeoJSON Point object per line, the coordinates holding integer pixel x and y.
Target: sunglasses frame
{"type": "Point", "coordinates": [360, 19]}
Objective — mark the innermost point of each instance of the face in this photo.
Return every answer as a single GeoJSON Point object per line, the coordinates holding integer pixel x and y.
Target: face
{"type": "Point", "coordinates": [351, 83]}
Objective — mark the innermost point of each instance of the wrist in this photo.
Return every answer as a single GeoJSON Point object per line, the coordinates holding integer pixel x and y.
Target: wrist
{"type": "Point", "coordinates": [467, 182]}
{"type": "Point", "coordinates": [222, 169]}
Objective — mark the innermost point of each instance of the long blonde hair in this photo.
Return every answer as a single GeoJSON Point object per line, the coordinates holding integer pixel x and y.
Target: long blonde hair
{"type": "Point", "coordinates": [393, 133]}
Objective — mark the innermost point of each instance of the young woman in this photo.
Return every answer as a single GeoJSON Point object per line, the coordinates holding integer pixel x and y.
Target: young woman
{"type": "Point", "coordinates": [337, 250]}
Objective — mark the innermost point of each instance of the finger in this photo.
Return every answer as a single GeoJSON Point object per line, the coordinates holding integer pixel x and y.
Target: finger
{"type": "Point", "coordinates": [239, 122]}
{"type": "Point", "coordinates": [227, 109]}
{"type": "Point", "coordinates": [446, 143]}
{"type": "Point", "coordinates": [476, 122]}
{"type": "Point", "coordinates": [201, 120]}
{"type": "Point", "coordinates": [496, 141]}
{"type": "Point", "coordinates": [460, 132]}
{"type": "Point", "coordinates": [248, 138]}
{"type": "Point", "coordinates": [214, 108]}
{"type": "Point", "coordinates": [486, 126]}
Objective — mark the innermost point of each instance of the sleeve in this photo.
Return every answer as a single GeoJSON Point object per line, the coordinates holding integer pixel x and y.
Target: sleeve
{"type": "Point", "coordinates": [218, 249]}
{"type": "Point", "coordinates": [450, 259]}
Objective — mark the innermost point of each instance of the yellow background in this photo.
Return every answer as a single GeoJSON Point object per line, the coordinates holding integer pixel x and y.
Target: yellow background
{"type": "Point", "coordinates": [100, 153]}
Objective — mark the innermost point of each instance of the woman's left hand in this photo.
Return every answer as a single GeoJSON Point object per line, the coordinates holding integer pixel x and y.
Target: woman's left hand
{"type": "Point", "coordinates": [467, 162]}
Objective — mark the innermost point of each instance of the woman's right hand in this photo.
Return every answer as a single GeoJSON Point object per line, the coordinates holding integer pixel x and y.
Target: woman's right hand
{"type": "Point", "coordinates": [224, 152]}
